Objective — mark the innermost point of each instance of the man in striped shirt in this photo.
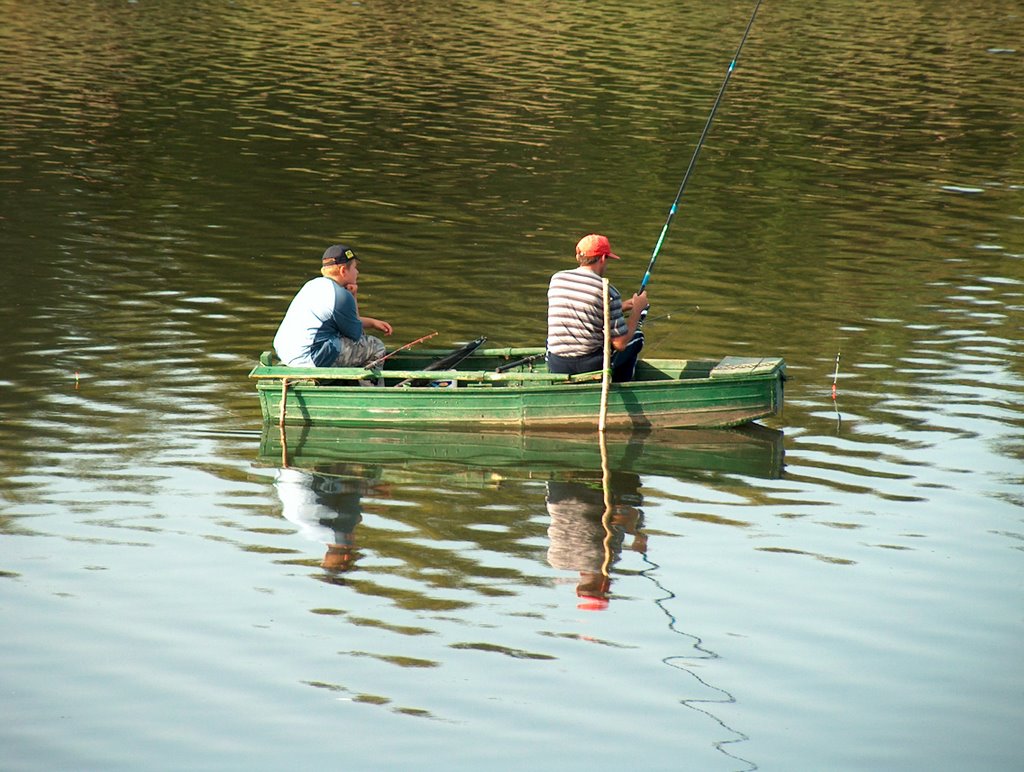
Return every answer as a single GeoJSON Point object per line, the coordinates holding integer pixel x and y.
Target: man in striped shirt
{"type": "Point", "coordinates": [576, 316]}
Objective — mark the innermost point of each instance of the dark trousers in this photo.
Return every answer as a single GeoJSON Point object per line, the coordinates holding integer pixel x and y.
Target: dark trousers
{"type": "Point", "coordinates": [623, 362]}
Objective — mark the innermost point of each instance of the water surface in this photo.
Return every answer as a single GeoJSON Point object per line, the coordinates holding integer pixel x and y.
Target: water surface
{"type": "Point", "coordinates": [171, 173]}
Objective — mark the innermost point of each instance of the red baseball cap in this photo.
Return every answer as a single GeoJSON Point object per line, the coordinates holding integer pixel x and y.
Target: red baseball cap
{"type": "Point", "coordinates": [592, 592]}
{"type": "Point", "coordinates": [595, 246]}
{"type": "Point", "coordinates": [592, 604]}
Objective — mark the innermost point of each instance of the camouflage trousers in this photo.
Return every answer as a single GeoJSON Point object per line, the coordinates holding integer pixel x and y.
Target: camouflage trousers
{"type": "Point", "coordinates": [356, 353]}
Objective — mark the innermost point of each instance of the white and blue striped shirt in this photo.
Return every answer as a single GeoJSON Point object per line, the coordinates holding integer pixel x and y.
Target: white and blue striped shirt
{"type": "Point", "coordinates": [576, 313]}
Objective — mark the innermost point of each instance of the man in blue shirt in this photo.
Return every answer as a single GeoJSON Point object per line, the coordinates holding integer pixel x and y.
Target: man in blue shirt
{"type": "Point", "coordinates": [322, 327]}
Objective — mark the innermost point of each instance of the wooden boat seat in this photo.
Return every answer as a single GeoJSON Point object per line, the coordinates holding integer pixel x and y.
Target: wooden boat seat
{"type": "Point", "coordinates": [730, 367]}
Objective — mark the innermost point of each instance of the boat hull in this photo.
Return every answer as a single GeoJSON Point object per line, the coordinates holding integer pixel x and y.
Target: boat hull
{"type": "Point", "coordinates": [665, 393]}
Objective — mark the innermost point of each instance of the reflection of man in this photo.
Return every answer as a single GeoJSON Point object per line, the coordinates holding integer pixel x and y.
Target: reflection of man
{"type": "Point", "coordinates": [583, 540]}
{"type": "Point", "coordinates": [325, 509]}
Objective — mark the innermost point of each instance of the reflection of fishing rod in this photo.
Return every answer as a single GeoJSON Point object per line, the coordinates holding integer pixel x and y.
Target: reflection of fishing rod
{"type": "Point", "coordinates": [693, 160]}
{"type": "Point", "coordinates": [705, 654]}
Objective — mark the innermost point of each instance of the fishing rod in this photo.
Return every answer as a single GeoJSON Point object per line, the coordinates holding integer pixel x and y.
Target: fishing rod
{"type": "Point", "coordinates": [693, 159]}
{"type": "Point", "coordinates": [381, 360]}
{"type": "Point", "coordinates": [519, 362]}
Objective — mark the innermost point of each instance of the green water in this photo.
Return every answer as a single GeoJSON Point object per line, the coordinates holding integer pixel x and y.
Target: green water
{"type": "Point", "coordinates": [170, 174]}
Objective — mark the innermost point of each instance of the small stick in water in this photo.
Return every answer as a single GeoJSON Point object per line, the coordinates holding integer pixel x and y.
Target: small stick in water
{"type": "Point", "coordinates": [835, 378]}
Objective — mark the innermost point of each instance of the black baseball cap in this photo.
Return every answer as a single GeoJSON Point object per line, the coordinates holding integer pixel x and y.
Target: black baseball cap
{"type": "Point", "coordinates": [338, 254]}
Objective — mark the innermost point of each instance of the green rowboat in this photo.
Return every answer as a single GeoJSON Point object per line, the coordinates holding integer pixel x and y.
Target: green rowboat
{"type": "Point", "coordinates": [489, 389]}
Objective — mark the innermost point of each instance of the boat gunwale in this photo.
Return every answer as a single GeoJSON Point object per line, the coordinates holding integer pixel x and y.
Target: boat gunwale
{"type": "Point", "coordinates": [670, 370]}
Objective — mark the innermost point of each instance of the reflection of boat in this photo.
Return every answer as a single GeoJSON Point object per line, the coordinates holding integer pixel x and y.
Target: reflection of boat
{"type": "Point", "coordinates": [753, 450]}
{"type": "Point", "coordinates": [504, 388]}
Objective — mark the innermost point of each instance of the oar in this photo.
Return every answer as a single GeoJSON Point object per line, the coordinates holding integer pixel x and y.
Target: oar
{"type": "Point", "coordinates": [693, 160]}
{"type": "Point", "coordinates": [448, 361]}
{"type": "Point", "coordinates": [452, 359]}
